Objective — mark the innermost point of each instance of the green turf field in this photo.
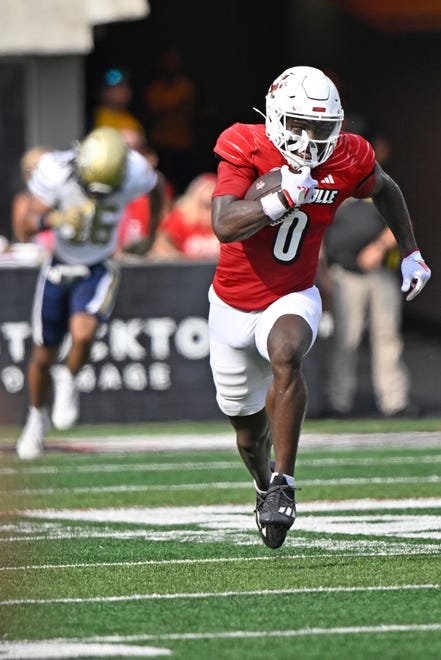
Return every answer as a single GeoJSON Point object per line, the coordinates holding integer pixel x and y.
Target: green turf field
{"type": "Point", "coordinates": [125, 550]}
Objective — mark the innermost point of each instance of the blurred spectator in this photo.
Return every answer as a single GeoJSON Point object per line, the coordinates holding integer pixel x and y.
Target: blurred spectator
{"type": "Point", "coordinates": [134, 228]}
{"type": "Point", "coordinates": [365, 125]}
{"type": "Point", "coordinates": [170, 102]}
{"type": "Point", "coordinates": [21, 200]}
{"type": "Point", "coordinates": [324, 285]}
{"type": "Point", "coordinates": [116, 95]}
{"type": "Point", "coordinates": [135, 139]}
{"type": "Point", "coordinates": [364, 269]}
{"type": "Point", "coordinates": [187, 231]}
{"type": "Point", "coordinates": [4, 244]}
{"type": "Point", "coordinates": [315, 362]}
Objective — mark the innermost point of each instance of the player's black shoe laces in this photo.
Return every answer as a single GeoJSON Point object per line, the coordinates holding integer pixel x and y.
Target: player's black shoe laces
{"type": "Point", "coordinates": [275, 512]}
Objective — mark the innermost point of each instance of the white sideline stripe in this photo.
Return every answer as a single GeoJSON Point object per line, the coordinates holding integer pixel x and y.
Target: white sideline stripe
{"type": "Point", "coordinates": [223, 594]}
{"type": "Point", "coordinates": [236, 634]}
{"type": "Point", "coordinates": [223, 485]}
{"type": "Point", "coordinates": [350, 630]}
{"type": "Point", "coordinates": [58, 649]}
{"type": "Point", "coordinates": [215, 465]}
{"type": "Point", "coordinates": [29, 649]}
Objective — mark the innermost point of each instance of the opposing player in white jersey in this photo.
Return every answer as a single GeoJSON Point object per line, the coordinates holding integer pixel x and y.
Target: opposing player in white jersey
{"type": "Point", "coordinates": [80, 194]}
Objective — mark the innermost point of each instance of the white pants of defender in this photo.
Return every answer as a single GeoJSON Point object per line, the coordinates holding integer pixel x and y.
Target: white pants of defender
{"type": "Point", "coordinates": [373, 297]}
{"type": "Point", "coordinates": [238, 347]}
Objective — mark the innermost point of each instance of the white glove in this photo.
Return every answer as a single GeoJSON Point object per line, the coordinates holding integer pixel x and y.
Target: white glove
{"type": "Point", "coordinates": [415, 274]}
{"type": "Point", "coordinates": [298, 186]}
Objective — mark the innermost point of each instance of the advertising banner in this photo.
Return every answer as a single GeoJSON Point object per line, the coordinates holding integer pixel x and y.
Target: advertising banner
{"type": "Point", "coordinates": [148, 363]}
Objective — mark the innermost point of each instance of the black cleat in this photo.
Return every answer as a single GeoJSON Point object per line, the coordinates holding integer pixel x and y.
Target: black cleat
{"type": "Point", "coordinates": [275, 512]}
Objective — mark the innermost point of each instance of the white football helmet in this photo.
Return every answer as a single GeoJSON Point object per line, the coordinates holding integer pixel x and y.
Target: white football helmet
{"type": "Point", "coordinates": [303, 116]}
{"type": "Point", "coordinates": [101, 160]}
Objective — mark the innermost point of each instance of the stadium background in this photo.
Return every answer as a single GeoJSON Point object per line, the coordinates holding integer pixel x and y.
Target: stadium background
{"type": "Point", "coordinates": [386, 52]}
{"type": "Point", "coordinates": [235, 49]}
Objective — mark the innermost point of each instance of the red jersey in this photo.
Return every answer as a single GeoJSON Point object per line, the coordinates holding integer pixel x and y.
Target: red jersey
{"type": "Point", "coordinates": [253, 273]}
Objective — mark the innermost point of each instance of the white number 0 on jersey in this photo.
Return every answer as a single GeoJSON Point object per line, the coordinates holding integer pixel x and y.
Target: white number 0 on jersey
{"type": "Point", "coordinates": [289, 236]}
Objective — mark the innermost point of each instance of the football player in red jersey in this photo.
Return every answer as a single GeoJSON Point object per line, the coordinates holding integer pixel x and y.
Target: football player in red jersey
{"type": "Point", "coordinates": [264, 307]}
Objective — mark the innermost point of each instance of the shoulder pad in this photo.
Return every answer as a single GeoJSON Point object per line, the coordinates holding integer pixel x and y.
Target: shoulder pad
{"type": "Point", "coordinates": [236, 144]}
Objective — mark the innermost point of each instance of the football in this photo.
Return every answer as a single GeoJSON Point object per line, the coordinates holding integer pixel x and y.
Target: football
{"type": "Point", "coordinates": [267, 183]}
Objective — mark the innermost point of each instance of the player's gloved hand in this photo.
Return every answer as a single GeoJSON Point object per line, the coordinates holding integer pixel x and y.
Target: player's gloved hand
{"type": "Point", "coordinates": [416, 273]}
{"type": "Point", "coordinates": [72, 216]}
{"type": "Point", "coordinates": [297, 188]}
{"type": "Point", "coordinates": [71, 221]}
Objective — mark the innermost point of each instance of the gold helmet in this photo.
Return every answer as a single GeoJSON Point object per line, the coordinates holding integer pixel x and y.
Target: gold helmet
{"type": "Point", "coordinates": [101, 161]}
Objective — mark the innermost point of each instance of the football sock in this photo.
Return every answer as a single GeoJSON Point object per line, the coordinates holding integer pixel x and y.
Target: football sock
{"type": "Point", "coordinates": [288, 478]}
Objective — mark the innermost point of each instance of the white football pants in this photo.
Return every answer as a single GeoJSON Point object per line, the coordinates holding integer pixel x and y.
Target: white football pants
{"type": "Point", "coordinates": [238, 347]}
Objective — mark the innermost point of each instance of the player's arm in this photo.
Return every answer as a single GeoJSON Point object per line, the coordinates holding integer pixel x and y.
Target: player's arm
{"type": "Point", "coordinates": [39, 217]}
{"type": "Point", "coordinates": [32, 220]}
{"type": "Point", "coordinates": [235, 218]}
{"type": "Point", "coordinates": [390, 202]}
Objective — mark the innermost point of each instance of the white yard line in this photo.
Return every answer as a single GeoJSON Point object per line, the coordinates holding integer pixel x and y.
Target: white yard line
{"type": "Point", "coordinates": [223, 594]}
{"type": "Point", "coordinates": [246, 634]}
{"type": "Point", "coordinates": [214, 465]}
{"type": "Point", "coordinates": [178, 515]}
{"type": "Point", "coordinates": [124, 467]}
{"type": "Point", "coordinates": [392, 519]}
{"type": "Point", "coordinates": [194, 441]}
{"type": "Point", "coordinates": [57, 650]}
{"type": "Point", "coordinates": [167, 562]}
{"type": "Point", "coordinates": [113, 645]}
{"type": "Point", "coordinates": [221, 485]}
